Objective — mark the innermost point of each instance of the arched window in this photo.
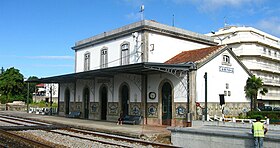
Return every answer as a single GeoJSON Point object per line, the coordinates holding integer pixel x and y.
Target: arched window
{"type": "Point", "coordinates": [87, 61]}
{"type": "Point", "coordinates": [104, 57]}
{"type": "Point", "coordinates": [125, 53]}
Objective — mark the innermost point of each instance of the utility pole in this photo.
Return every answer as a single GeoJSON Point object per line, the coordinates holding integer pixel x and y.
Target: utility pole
{"type": "Point", "coordinates": [27, 99]}
{"type": "Point", "coordinates": [51, 102]}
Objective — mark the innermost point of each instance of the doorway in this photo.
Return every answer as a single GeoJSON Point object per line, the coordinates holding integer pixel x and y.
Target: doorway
{"type": "Point", "coordinates": [86, 102]}
{"type": "Point", "coordinates": [124, 100]}
{"type": "Point", "coordinates": [103, 102]}
{"type": "Point", "coordinates": [166, 92]}
{"type": "Point", "coordinates": [67, 101]}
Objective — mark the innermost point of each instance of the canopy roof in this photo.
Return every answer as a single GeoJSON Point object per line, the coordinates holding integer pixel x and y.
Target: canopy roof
{"type": "Point", "coordinates": [138, 68]}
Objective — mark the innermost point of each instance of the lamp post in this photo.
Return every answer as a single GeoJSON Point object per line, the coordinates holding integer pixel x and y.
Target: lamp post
{"type": "Point", "coordinates": [205, 78]}
{"type": "Point", "coordinates": [27, 99]}
{"type": "Point", "coordinates": [51, 102]}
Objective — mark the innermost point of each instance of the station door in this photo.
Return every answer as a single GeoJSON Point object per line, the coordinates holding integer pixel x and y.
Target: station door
{"type": "Point", "coordinates": [166, 92]}
{"type": "Point", "coordinates": [86, 102]}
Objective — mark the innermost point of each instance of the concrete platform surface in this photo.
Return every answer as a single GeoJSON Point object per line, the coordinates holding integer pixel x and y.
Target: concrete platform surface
{"type": "Point", "coordinates": [151, 133]}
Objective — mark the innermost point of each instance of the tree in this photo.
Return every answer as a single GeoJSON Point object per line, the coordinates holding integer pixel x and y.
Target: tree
{"type": "Point", "coordinates": [11, 84]}
{"type": "Point", "coordinates": [253, 87]}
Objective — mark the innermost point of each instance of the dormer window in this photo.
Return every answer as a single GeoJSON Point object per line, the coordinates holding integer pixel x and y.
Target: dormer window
{"type": "Point", "coordinates": [86, 61]}
{"type": "Point", "coordinates": [226, 60]}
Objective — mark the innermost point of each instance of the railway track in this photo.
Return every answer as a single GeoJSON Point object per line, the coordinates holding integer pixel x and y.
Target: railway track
{"type": "Point", "coordinates": [106, 139]}
{"type": "Point", "coordinates": [14, 140]}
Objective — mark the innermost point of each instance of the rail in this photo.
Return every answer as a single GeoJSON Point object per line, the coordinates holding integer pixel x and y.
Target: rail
{"type": "Point", "coordinates": [21, 139]}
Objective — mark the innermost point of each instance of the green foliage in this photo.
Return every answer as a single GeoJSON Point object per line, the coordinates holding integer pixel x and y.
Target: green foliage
{"type": "Point", "coordinates": [254, 86]}
{"type": "Point", "coordinates": [13, 87]}
{"type": "Point", "coordinates": [263, 114]}
{"type": "Point", "coordinates": [11, 84]}
{"type": "Point", "coordinates": [42, 104]}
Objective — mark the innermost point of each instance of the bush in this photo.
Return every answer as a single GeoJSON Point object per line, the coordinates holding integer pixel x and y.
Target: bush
{"type": "Point", "coordinates": [269, 114]}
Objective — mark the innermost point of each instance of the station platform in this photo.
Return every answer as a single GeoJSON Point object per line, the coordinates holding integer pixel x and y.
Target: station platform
{"type": "Point", "coordinates": [146, 132]}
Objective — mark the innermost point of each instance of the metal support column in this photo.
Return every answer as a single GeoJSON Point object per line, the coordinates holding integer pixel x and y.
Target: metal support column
{"type": "Point", "coordinates": [205, 77]}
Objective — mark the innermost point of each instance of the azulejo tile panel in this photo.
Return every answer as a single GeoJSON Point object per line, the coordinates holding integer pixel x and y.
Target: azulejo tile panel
{"type": "Point", "coordinates": [135, 109]}
{"type": "Point", "coordinates": [113, 108]}
{"type": "Point", "coordinates": [152, 110]}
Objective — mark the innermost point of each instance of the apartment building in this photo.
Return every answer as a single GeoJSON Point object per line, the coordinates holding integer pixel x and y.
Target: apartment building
{"type": "Point", "coordinates": [260, 52]}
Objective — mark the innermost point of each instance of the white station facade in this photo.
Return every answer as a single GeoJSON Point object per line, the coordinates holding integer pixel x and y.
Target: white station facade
{"type": "Point", "coordinates": [138, 70]}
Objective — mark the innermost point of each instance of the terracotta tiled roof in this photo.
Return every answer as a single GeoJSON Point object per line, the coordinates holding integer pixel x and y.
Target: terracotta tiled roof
{"type": "Point", "coordinates": [40, 85]}
{"type": "Point", "coordinates": [193, 55]}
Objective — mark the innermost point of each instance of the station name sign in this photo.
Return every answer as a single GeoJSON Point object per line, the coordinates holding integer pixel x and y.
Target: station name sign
{"type": "Point", "coordinates": [226, 69]}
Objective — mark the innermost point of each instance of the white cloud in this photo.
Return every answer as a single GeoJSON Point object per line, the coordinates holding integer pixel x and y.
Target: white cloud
{"type": "Point", "coordinates": [213, 5]}
{"type": "Point", "coordinates": [51, 57]}
{"type": "Point", "coordinates": [134, 3]}
{"type": "Point", "coordinates": [50, 65]}
{"type": "Point", "coordinates": [134, 16]}
{"type": "Point", "coordinates": [270, 25]}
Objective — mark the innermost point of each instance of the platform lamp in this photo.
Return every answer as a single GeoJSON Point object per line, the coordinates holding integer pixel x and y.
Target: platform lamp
{"type": "Point", "coordinates": [205, 78]}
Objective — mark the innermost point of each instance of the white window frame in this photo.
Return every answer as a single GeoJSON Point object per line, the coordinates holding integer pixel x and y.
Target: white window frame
{"type": "Point", "coordinates": [125, 51]}
{"type": "Point", "coordinates": [104, 57]}
{"type": "Point", "coordinates": [87, 61]}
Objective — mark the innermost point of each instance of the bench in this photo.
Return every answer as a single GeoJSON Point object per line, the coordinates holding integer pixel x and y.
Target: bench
{"type": "Point", "coordinates": [129, 119]}
{"type": "Point", "coordinates": [74, 114]}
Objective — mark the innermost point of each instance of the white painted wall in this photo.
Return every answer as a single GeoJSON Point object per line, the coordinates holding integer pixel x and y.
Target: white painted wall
{"type": "Point", "coordinates": [134, 86]}
{"type": "Point", "coordinates": [217, 81]}
{"type": "Point", "coordinates": [63, 87]}
{"type": "Point", "coordinates": [114, 53]}
{"type": "Point", "coordinates": [166, 47]}
{"type": "Point", "coordinates": [98, 87]}
{"type": "Point", "coordinates": [80, 85]}
{"type": "Point", "coordinates": [180, 93]}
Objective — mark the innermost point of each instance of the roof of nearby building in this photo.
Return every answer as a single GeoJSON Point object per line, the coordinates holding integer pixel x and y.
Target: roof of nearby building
{"type": "Point", "coordinates": [196, 55]}
{"type": "Point", "coordinates": [145, 25]}
{"type": "Point", "coordinates": [40, 85]}
{"type": "Point", "coordinates": [202, 56]}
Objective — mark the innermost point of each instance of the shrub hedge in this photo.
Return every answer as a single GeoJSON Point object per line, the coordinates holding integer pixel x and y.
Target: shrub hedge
{"type": "Point", "coordinates": [274, 115]}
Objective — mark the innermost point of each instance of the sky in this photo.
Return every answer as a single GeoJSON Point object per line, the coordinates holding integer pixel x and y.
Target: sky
{"type": "Point", "coordinates": [36, 36]}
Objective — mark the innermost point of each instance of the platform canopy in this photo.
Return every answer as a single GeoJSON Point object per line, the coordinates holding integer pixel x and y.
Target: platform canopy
{"type": "Point", "coordinates": [138, 68]}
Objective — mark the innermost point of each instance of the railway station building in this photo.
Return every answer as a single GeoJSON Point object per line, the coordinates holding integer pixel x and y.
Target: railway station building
{"type": "Point", "coordinates": [154, 71]}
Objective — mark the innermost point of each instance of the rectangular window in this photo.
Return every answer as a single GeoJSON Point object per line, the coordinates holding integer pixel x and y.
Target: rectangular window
{"type": "Point", "coordinates": [229, 93]}
{"type": "Point", "coordinates": [264, 50]}
{"type": "Point", "coordinates": [104, 58]}
{"type": "Point", "coordinates": [86, 61]}
{"type": "Point", "coordinates": [225, 93]}
{"type": "Point", "coordinates": [124, 54]}
{"type": "Point", "coordinates": [226, 60]}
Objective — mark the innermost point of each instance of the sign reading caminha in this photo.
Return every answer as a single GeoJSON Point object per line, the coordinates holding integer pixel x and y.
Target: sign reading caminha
{"type": "Point", "coordinates": [226, 69]}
